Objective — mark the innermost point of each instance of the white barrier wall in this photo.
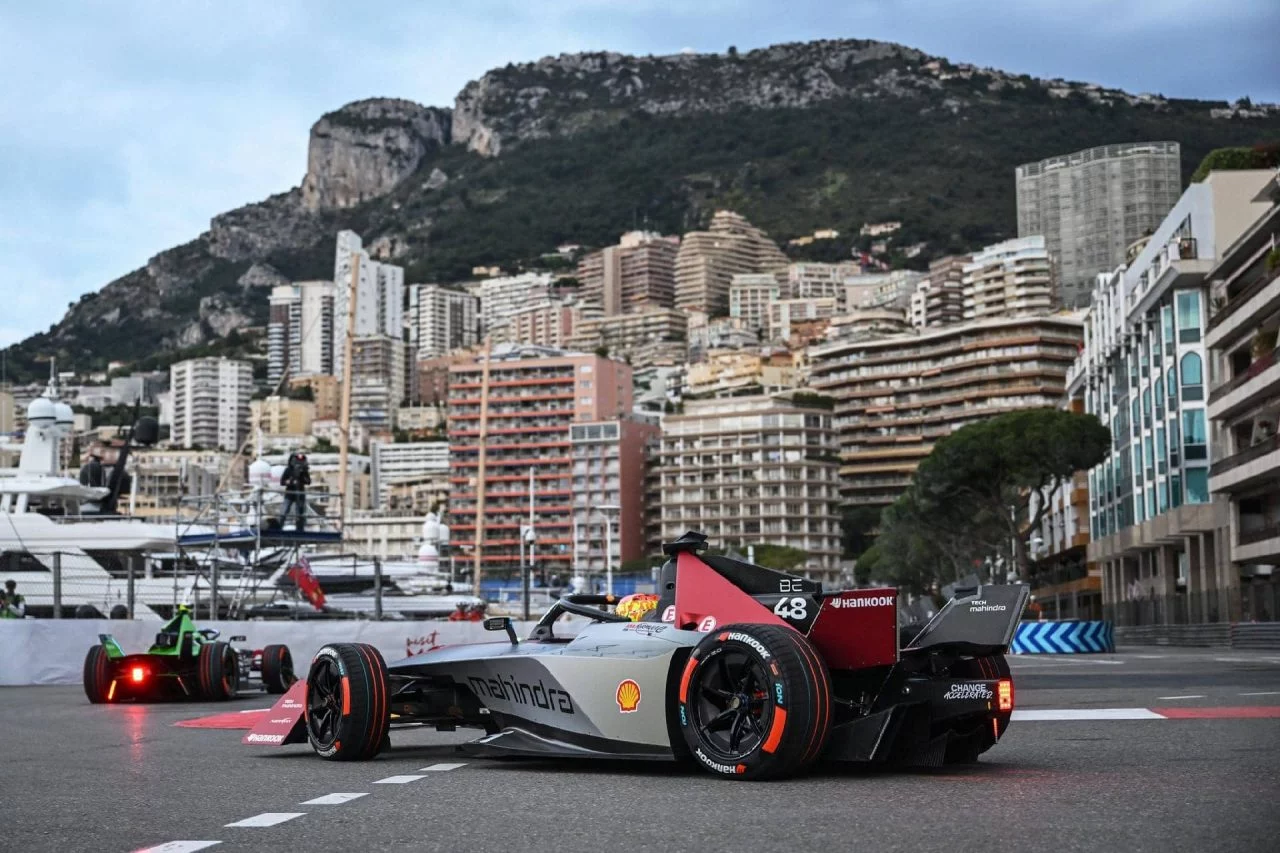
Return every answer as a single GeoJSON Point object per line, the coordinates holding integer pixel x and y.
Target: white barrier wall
{"type": "Point", "coordinates": [52, 651]}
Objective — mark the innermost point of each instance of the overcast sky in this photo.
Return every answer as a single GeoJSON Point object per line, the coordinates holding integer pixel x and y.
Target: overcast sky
{"type": "Point", "coordinates": [125, 125]}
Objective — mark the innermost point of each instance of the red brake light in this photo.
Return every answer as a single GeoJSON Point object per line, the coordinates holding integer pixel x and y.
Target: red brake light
{"type": "Point", "coordinates": [1004, 694]}
{"type": "Point", "coordinates": [137, 674]}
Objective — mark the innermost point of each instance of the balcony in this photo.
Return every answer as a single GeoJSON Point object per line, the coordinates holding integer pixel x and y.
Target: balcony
{"type": "Point", "coordinates": [1249, 466]}
{"type": "Point", "coordinates": [1250, 302]}
{"type": "Point", "coordinates": [1257, 541]}
{"type": "Point", "coordinates": [1259, 383]}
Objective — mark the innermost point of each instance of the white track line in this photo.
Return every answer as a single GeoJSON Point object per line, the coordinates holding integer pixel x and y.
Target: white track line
{"type": "Point", "coordinates": [399, 780]}
{"type": "Point", "coordinates": [1191, 696]}
{"type": "Point", "coordinates": [1086, 714]}
{"type": "Point", "coordinates": [1263, 693]}
{"type": "Point", "coordinates": [1150, 657]}
{"type": "Point", "coordinates": [333, 799]}
{"type": "Point", "coordinates": [267, 819]}
{"type": "Point", "coordinates": [178, 847]}
{"type": "Point", "coordinates": [431, 768]}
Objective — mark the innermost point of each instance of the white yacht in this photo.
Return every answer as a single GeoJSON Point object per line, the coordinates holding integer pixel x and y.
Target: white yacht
{"type": "Point", "coordinates": [47, 518]}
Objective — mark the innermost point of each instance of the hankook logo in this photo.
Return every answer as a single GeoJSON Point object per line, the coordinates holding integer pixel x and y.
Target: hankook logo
{"type": "Point", "coordinates": [874, 601]}
{"type": "Point", "coordinates": [715, 765]}
{"type": "Point", "coordinates": [750, 641]}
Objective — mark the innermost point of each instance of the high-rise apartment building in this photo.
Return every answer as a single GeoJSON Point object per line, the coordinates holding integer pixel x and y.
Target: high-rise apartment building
{"type": "Point", "coordinates": [441, 320]}
{"type": "Point", "coordinates": [1160, 535]}
{"type": "Point", "coordinates": [800, 321]}
{"type": "Point", "coordinates": [1244, 406]}
{"type": "Point", "coordinates": [636, 274]}
{"type": "Point", "coordinates": [896, 395]}
{"type": "Point", "coordinates": [378, 381]}
{"type": "Point", "coordinates": [1009, 278]}
{"type": "Point", "coordinates": [653, 337]}
{"type": "Point", "coordinates": [379, 290]}
{"type": "Point", "coordinates": [535, 395]}
{"type": "Point", "coordinates": [300, 330]}
{"type": "Point", "coordinates": [549, 323]}
{"type": "Point", "coordinates": [1090, 205]}
{"type": "Point", "coordinates": [938, 300]}
{"type": "Point", "coordinates": [402, 471]}
{"type": "Point", "coordinates": [609, 469]}
{"type": "Point", "coordinates": [880, 290]}
{"type": "Point", "coordinates": [819, 281]}
{"type": "Point", "coordinates": [708, 261]}
{"type": "Point", "coordinates": [750, 295]}
{"type": "Point", "coordinates": [503, 296]}
{"type": "Point", "coordinates": [210, 402]}
{"type": "Point", "coordinates": [753, 471]}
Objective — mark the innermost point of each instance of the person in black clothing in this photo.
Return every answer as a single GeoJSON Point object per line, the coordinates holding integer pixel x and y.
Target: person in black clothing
{"type": "Point", "coordinates": [92, 473]}
{"type": "Point", "coordinates": [295, 479]}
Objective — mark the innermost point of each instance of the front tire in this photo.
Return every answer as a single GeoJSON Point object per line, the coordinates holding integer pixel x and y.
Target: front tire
{"type": "Point", "coordinates": [218, 669]}
{"type": "Point", "coordinates": [754, 702]}
{"type": "Point", "coordinates": [97, 675]}
{"type": "Point", "coordinates": [277, 669]}
{"type": "Point", "coordinates": [348, 714]}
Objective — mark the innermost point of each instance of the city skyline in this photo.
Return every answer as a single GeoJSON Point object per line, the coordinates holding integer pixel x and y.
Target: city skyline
{"type": "Point", "coordinates": [174, 121]}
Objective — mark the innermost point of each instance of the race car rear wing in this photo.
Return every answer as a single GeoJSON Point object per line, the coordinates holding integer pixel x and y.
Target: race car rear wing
{"type": "Point", "coordinates": [977, 624]}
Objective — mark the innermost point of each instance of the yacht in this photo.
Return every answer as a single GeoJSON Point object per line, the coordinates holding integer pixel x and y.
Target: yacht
{"type": "Point", "coordinates": [48, 519]}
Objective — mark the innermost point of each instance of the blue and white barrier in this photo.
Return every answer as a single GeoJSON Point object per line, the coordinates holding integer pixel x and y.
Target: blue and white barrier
{"type": "Point", "coordinates": [1070, 637]}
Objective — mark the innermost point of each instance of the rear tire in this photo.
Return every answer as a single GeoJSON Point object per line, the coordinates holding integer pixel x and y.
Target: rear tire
{"type": "Point", "coordinates": [277, 669]}
{"type": "Point", "coordinates": [754, 702]}
{"type": "Point", "coordinates": [218, 669]}
{"type": "Point", "coordinates": [97, 675]}
{"type": "Point", "coordinates": [348, 713]}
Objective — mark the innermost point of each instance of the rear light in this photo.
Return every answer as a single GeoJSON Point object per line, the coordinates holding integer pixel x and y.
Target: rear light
{"type": "Point", "coordinates": [137, 674]}
{"type": "Point", "coordinates": [1004, 694]}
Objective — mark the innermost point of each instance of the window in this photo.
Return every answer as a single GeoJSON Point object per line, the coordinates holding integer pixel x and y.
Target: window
{"type": "Point", "coordinates": [1197, 485]}
{"type": "Point", "coordinates": [1146, 447]}
{"type": "Point", "coordinates": [1151, 502]}
{"type": "Point", "coordinates": [1193, 439]}
{"type": "Point", "coordinates": [1175, 487]}
{"type": "Point", "coordinates": [1146, 408]}
{"type": "Point", "coordinates": [1192, 377]}
{"type": "Point", "coordinates": [1137, 416]}
{"type": "Point", "coordinates": [1160, 454]}
{"type": "Point", "coordinates": [1159, 400]}
{"type": "Point", "coordinates": [1163, 496]}
{"type": "Point", "coordinates": [1171, 383]}
{"type": "Point", "coordinates": [1166, 323]}
{"type": "Point", "coordinates": [1188, 316]}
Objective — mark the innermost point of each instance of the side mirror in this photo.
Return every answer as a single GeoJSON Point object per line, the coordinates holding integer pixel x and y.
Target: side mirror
{"type": "Point", "coordinates": [501, 623]}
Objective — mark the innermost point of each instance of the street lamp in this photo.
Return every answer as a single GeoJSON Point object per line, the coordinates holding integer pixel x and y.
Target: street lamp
{"type": "Point", "coordinates": [605, 510]}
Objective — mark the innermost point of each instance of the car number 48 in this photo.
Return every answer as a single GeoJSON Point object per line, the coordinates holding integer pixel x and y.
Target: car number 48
{"type": "Point", "coordinates": [795, 609]}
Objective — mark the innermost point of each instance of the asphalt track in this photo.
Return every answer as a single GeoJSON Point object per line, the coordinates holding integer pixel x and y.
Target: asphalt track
{"type": "Point", "coordinates": [123, 778]}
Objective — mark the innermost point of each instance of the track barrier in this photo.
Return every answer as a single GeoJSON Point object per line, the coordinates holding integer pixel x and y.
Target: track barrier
{"type": "Point", "coordinates": [1067, 637]}
{"type": "Point", "coordinates": [52, 651]}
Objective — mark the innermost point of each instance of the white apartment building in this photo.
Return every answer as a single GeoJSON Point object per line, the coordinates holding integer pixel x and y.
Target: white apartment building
{"type": "Point", "coordinates": [442, 320]}
{"type": "Point", "coordinates": [300, 330]}
{"type": "Point", "coordinates": [210, 402]}
{"type": "Point", "coordinates": [503, 296]}
{"type": "Point", "coordinates": [880, 290]}
{"type": "Point", "coordinates": [750, 295]}
{"type": "Point", "coordinates": [1008, 279]}
{"type": "Point", "coordinates": [820, 281]}
{"type": "Point", "coordinates": [379, 296]}
{"type": "Point", "coordinates": [1159, 534]}
{"type": "Point", "coordinates": [786, 316]}
{"type": "Point", "coordinates": [401, 470]}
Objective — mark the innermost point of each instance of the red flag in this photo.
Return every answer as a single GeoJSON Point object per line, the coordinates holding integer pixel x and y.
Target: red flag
{"type": "Point", "coordinates": [300, 573]}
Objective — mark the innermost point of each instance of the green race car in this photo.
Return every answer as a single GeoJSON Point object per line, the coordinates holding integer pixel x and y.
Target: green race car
{"type": "Point", "coordinates": [185, 662]}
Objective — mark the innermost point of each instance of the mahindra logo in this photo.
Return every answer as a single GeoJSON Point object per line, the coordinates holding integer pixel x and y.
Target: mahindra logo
{"type": "Point", "coordinates": [874, 601]}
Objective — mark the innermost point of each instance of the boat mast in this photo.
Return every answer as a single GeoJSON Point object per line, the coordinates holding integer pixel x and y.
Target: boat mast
{"type": "Point", "coordinates": [482, 438]}
{"type": "Point", "coordinates": [344, 424]}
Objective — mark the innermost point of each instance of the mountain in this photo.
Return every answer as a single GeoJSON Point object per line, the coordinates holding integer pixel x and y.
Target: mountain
{"type": "Point", "coordinates": [578, 148]}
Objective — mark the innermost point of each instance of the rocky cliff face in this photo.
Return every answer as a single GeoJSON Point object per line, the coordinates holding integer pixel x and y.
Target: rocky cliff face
{"type": "Point", "coordinates": [564, 94]}
{"type": "Point", "coordinates": [367, 148]}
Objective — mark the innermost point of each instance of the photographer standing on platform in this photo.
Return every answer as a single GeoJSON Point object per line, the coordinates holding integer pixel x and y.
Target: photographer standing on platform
{"type": "Point", "coordinates": [295, 479]}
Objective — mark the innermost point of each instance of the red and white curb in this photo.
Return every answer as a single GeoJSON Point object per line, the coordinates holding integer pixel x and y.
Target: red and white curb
{"type": "Point", "coordinates": [1036, 715]}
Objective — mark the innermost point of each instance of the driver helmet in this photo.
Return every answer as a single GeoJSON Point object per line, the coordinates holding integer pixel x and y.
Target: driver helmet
{"type": "Point", "coordinates": [635, 606]}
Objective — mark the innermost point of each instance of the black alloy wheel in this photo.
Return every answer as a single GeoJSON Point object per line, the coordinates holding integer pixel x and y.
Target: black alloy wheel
{"type": "Point", "coordinates": [732, 709]}
{"type": "Point", "coordinates": [324, 702]}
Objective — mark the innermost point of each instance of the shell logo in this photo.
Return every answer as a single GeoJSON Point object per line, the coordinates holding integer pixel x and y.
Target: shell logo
{"type": "Point", "coordinates": [628, 697]}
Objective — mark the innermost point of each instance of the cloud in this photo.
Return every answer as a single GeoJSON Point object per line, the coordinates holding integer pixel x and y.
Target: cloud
{"type": "Point", "coordinates": [126, 126]}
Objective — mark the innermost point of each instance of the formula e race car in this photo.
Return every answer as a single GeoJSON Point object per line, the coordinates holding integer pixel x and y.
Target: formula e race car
{"type": "Point", "coordinates": [750, 672]}
{"type": "Point", "coordinates": [184, 662]}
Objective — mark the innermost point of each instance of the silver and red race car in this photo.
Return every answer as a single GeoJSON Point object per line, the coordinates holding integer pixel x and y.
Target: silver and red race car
{"type": "Point", "coordinates": [749, 672]}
